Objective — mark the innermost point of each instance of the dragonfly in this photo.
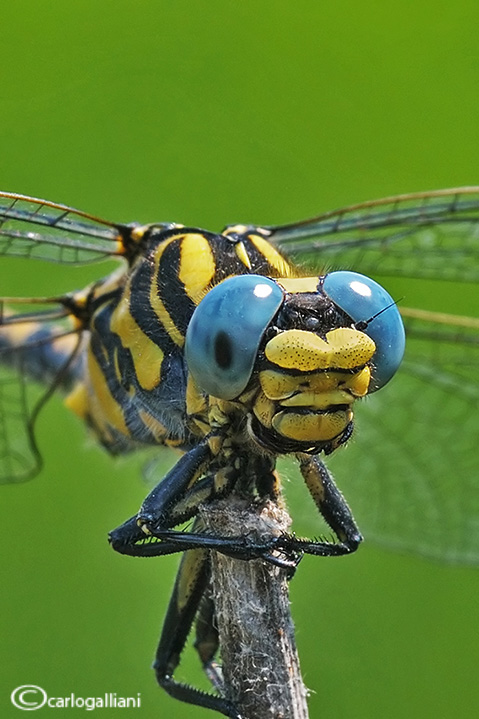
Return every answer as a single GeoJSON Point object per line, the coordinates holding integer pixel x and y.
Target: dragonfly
{"type": "Point", "coordinates": [240, 347]}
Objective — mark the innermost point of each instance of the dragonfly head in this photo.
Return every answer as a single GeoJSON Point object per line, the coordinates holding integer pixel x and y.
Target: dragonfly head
{"type": "Point", "coordinates": [308, 385]}
{"type": "Point", "coordinates": [297, 352]}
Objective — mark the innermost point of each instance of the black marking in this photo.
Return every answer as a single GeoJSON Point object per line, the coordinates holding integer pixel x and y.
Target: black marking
{"type": "Point", "coordinates": [223, 350]}
{"type": "Point", "coordinates": [171, 289]}
{"type": "Point", "coordinates": [363, 324]}
{"type": "Point", "coordinates": [165, 403]}
{"type": "Point", "coordinates": [141, 309]}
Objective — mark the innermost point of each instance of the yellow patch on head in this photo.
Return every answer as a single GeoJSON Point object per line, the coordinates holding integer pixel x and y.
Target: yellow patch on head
{"type": "Point", "coordinates": [279, 385]}
{"type": "Point", "coordinates": [299, 284]}
{"type": "Point", "coordinates": [358, 384]}
{"type": "Point", "coordinates": [344, 348]}
{"type": "Point", "coordinates": [263, 409]}
{"type": "Point", "coordinates": [311, 427]}
{"type": "Point", "coordinates": [318, 400]}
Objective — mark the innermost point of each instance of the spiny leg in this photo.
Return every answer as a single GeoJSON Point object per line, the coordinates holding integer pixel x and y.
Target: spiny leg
{"type": "Point", "coordinates": [177, 498]}
{"type": "Point", "coordinates": [130, 539]}
{"type": "Point", "coordinates": [170, 502]}
{"type": "Point", "coordinates": [333, 508]}
{"type": "Point", "coordinates": [158, 503]}
{"type": "Point", "coordinates": [190, 586]}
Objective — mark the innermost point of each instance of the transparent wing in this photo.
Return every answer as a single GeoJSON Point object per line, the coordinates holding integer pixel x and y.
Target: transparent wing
{"type": "Point", "coordinates": [39, 352]}
{"type": "Point", "coordinates": [386, 237]}
{"type": "Point", "coordinates": [44, 230]}
{"type": "Point", "coordinates": [411, 473]}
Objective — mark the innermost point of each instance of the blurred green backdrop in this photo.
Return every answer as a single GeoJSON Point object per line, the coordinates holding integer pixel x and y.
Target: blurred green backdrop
{"type": "Point", "coordinates": [211, 113]}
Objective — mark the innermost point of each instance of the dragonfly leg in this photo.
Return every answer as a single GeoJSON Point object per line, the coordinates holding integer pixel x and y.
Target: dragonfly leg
{"type": "Point", "coordinates": [334, 509]}
{"type": "Point", "coordinates": [207, 641]}
{"type": "Point", "coordinates": [190, 587]}
{"type": "Point", "coordinates": [177, 498]}
{"type": "Point", "coordinates": [156, 507]}
{"type": "Point", "coordinates": [159, 506]}
{"type": "Point", "coordinates": [129, 539]}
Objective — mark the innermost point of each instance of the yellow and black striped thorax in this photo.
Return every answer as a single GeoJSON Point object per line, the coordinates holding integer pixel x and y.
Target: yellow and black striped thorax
{"type": "Point", "coordinates": [134, 385]}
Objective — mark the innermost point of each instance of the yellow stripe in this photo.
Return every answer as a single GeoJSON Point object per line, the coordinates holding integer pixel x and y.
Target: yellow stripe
{"type": "Point", "coordinates": [155, 299]}
{"type": "Point", "coordinates": [271, 254]}
{"type": "Point", "coordinates": [105, 410]}
{"type": "Point", "coordinates": [242, 255]}
{"type": "Point", "coordinates": [197, 265]}
{"type": "Point", "coordinates": [299, 284]}
{"type": "Point", "coordinates": [146, 355]}
{"type": "Point", "coordinates": [116, 364]}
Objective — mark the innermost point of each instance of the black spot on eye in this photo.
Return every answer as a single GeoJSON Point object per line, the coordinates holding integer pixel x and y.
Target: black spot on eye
{"type": "Point", "coordinates": [223, 350]}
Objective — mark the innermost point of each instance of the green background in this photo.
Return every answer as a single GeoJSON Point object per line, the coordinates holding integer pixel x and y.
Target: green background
{"type": "Point", "coordinates": [211, 113]}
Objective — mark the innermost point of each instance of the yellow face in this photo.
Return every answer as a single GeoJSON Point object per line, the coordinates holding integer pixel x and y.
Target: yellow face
{"type": "Point", "coordinates": [309, 384]}
{"type": "Point", "coordinates": [290, 358]}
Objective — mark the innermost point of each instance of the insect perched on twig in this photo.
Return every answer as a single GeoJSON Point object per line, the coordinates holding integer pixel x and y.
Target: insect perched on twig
{"type": "Point", "coordinates": [221, 346]}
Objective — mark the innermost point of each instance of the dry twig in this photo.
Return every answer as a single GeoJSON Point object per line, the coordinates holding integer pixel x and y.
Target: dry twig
{"type": "Point", "coordinates": [258, 650]}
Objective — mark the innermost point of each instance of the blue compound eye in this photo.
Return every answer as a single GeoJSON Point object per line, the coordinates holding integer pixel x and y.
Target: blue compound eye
{"type": "Point", "coordinates": [225, 331]}
{"type": "Point", "coordinates": [362, 298]}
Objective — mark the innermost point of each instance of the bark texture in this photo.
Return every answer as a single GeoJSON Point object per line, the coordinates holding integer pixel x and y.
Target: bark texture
{"type": "Point", "coordinates": [260, 662]}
